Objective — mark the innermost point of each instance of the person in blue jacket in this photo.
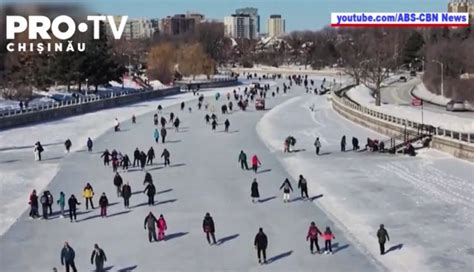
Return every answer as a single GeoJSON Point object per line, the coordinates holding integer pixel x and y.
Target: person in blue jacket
{"type": "Point", "coordinates": [156, 135]}
{"type": "Point", "coordinates": [62, 202]}
{"type": "Point", "coordinates": [67, 257]}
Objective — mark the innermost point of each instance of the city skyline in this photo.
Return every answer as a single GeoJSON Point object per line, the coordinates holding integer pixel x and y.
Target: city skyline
{"type": "Point", "coordinates": [299, 14]}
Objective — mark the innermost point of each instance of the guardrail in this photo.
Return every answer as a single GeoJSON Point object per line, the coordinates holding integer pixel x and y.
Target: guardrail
{"type": "Point", "coordinates": [461, 137]}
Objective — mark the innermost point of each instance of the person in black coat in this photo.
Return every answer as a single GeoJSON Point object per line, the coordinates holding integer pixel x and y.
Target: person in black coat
{"type": "Point", "coordinates": [126, 194]}
{"type": "Point", "coordinates": [72, 203]}
{"type": "Point", "coordinates": [163, 122]}
{"type": "Point", "coordinates": [343, 144]}
{"type": "Point", "coordinates": [118, 181]}
{"type": "Point", "coordinates": [68, 145]}
{"type": "Point", "coordinates": [106, 156]}
{"type": "Point", "coordinates": [227, 125]}
{"type": "Point", "coordinates": [89, 145]}
{"type": "Point", "coordinates": [171, 117]}
{"type": "Point", "coordinates": [176, 123]}
{"type": "Point", "coordinates": [44, 204]}
{"type": "Point", "coordinates": [34, 204]}
{"type": "Point", "coordinates": [303, 186]}
{"type": "Point", "coordinates": [67, 257]}
{"type": "Point", "coordinates": [150, 222]}
{"type": "Point", "coordinates": [261, 243]}
{"type": "Point", "coordinates": [136, 157]}
{"type": "Point", "coordinates": [214, 124]}
{"type": "Point", "coordinates": [125, 162]}
{"type": "Point", "coordinates": [142, 160]}
{"type": "Point", "coordinates": [254, 191]}
{"type": "Point", "coordinates": [150, 155]}
{"type": "Point", "coordinates": [163, 134]}
{"type": "Point", "coordinates": [166, 156]}
{"type": "Point", "coordinates": [382, 235]}
{"type": "Point", "coordinates": [98, 255]}
{"type": "Point", "coordinates": [207, 118]}
{"type": "Point", "coordinates": [209, 228]}
{"type": "Point", "coordinates": [150, 191]}
{"type": "Point", "coordinates": [355, 143]}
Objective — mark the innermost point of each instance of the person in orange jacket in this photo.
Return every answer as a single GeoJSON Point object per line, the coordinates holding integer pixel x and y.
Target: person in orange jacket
{"type": "Point", "coordinates": [161, 224]}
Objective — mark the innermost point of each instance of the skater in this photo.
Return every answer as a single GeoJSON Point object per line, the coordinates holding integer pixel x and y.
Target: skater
{"type": "Point", "coordinates": [148, 178]}
{"type": "Point", "coordinates": [312, 236]}
{"type": "Point", "coordinates": [182, 105]}
{"type": "Point", "coordinates": [328, 236]}
{"type": "Point", "coordinates": [163, 121]}
{"type": "Point", "coordinates": [243, 160]}
{"type": "Point", "coordinates": [67, 257]}
{"type": "Point", "coordinates": [382, 234]}
{"type": "Point", "coordinates": [287, 188]}
{"type": "Point", "coordinates": [163, 134]}
{"type": "Point", "coordinates": [150, 191]}
{"type": "Point", "coordinates": [34, 205]}
{"type": "Point", "coordinates": [207, 118]}
{"type": "Point", "coordinates": [303, 186]}
{"type": "Point", "coordinates": [134, 119]}
{"type": "Point", "coordinates": [255, 163]}
{"type": "Point", "coordinates": [343, 144]}
{"type": "Point", "coordinates": [159, 108]}
{"type": "Point", "coordinates": [230, 105]}
{"type": "Point", "coordinates": [106, 156]}
{"type": "Point", "coordinates": [254, 191]}
{"type": "Point", "coordinates": [156, 135]}
{"type": "Point", "coordinates": [88, 193]}
{"type": "Point", "coordinates": [136, 157]}
{"type": "Point", "coordinates": [155, 119]}
{"type": "Point", "coordinates": [126, 194]}
{"type": "Point", "coordinates": [171, 117]}
{"type": "Point", "coordinates": [355, 144]}
{"type": "Point", "coordinates": [161, 224]}
{"type": "Point", "coordinates": [89, 144]}
{"type": "Point", "coordinates": [150, 155]}
{"type": "Point", "coordinates": [116, 125]}
{"type": "Point", "coordinates": [118, 181]}
{"type": "Point", "coordinates": [317, 145]}
{"type": "Point", "coordinates": [214, 124]}
{"type": "Point", "coordinates": [98, 255]}
{"type": "Point", "coordinates": [50, 202]}
{"type": "Point", "coordinates": [209, 228]}
{"type": "Point", "coordinates": [72, 205]}
{"type": "Point", "coordinates": [142, 160]}
{"type": "Point", "coordinates": [38, 150]}
{"type": "Point", "coordinates": [261, 243]}
{"type": "Point", "coordinates": [44, 204]}
{"type": "Point", "coordinates": [103, 203]}
{"type": "Point", "coordinates": [150, 221]}
{"type": "Point", "coordinates": [67, 144]}
{"type": "Point", "coordinates": [176, 124]}
{"type": "Point", "coordinates": [227, 125]}
{"type": "Point", "coordinates": [61, 202]}
{"type": "Point", "coordinates": [166, 156]}
{"type": "Point", "coordinates": [126, 162]}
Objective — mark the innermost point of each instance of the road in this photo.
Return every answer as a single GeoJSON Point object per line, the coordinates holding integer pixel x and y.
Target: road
{"type": "Point", "coordinates": [204, 177]}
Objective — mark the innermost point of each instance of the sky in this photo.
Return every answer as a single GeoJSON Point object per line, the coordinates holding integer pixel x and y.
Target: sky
{"type": "Point", "coordinates": [299, 14]}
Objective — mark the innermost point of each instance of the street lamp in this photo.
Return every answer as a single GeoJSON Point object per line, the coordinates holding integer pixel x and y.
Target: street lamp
{"type": "Point", "coordinates": [442, 75]}
{"type": "Point", "coordinates": [87, 86]}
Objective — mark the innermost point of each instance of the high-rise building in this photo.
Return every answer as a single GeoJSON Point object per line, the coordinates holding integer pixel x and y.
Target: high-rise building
{"type": "Point", "coordinates": [180, 23]}
{"type": "Point", "coordinates": [134, 28]}
{"type": "Point", "coordinates": [276, 26]}
{"type": "Point", "coordinates": [254, 19]}
{"type": "Point", "coordinates": [462, 6]}
{"type": "Point", "coordinates": [239, 27]}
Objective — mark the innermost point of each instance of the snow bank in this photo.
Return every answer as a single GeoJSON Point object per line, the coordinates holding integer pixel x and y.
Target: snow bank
{"type": "Point", "coordinates": [363, 95]}
{"type": "Point", "coordinates": [422, 92]}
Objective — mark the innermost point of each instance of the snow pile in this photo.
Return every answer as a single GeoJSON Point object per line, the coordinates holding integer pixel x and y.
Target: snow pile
{"type": "Point", "coordinates": [363, 95]}
{"type": "Point", "coordinates": [422, 92]}
{"type": "Point", "coordinates": [156, 84]}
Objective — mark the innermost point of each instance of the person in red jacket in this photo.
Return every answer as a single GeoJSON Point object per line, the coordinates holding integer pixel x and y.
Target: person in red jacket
{"type": "Point", "coordinates": [255, 163]}
{"type": "Point", "coordinates": [328, 236]}
{"type": "Point", "coordinates": [161, 224]}
{"type": "Point", "coordinates": [312, 236]}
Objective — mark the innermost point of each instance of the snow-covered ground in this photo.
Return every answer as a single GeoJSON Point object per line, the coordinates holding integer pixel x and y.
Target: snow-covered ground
{"type": "Point", "coordinates": [362, 95]}
{"type": "Point", "coordinates": [423, 93]}
{"type": "Point", "coordinates": [16, 145]}
{"type": "Point", "coordinates": [426, 202]}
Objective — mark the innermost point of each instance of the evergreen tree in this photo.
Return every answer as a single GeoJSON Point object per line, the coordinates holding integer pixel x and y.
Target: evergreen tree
{"type": "Point", "coordinates": [413, 47]}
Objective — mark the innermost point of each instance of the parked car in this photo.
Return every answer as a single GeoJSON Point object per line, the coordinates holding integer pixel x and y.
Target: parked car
{"type": "Point", "coordinates": [455, 105]}
{"type": "Point", "coordinates": [260, 104]}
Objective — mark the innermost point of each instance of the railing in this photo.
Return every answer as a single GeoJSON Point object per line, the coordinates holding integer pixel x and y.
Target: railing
{"type": "Point", "coordinates": [66, 103]}
{"type": "Point", "coordinates": [190, 81]}
{"type": "Point", "coordinates": [462, 137]}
